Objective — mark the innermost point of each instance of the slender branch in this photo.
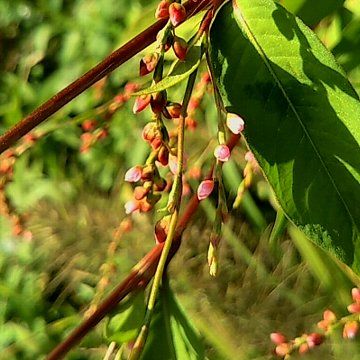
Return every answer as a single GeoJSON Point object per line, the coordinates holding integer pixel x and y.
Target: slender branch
{"type": "Point", "coordinates": [110, 63]}
{"type": "Point", "coordinates": [136, 280]}
{"type": "Point", "coordinates": [177, 192]}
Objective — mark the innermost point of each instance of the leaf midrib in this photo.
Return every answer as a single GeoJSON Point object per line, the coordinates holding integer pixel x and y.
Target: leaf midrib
{"type": "Point", "coordinates": [262, 53]}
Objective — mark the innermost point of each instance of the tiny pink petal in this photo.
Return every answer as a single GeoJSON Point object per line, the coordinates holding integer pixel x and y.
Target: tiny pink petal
{"type": "Point", "coordinates": [205, 189]}
{"type": "Point", "coordinates": [277, 338]}
{"type": "Point", "coordinates": [355, 292]}
{"type": "Point", "coordinates": [131, 206]}
{"type": "Point", "coordinates": [133, 174]}
{"type": "Point", "coordinates": [235, 123]}
{"type": "Point", "coordinates": [354, 308]}
{"type": "Point", "coordinates": [222, 153]}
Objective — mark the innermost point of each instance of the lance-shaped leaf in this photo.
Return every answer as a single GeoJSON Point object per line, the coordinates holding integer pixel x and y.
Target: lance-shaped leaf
{"type": "Point", "coordinates": [171, 335]}
{"type": "Point", "coordinates": [302, 118]}
{"type": "Point", "coordinates": [310, 11]}
{"type": "Point", "coordinates": [179, 71]}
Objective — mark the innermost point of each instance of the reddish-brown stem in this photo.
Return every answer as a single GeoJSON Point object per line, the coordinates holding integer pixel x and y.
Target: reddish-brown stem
{"type": "Point", "coordinates": [136, 280]}
{"type": "Point", "coordinates": [110, 63]}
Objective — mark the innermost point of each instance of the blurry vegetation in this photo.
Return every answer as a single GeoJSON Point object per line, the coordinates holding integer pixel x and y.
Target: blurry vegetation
{"type": "Point", "coordinates": [72, 202]}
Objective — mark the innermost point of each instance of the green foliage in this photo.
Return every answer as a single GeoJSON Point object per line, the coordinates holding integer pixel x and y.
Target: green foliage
{"type": "Point", "coordinates": [171, 335]}
{"type": "Point", "coordinates": [179, 71]}
{"type": "Point", "coordinates": [301, 118]}
{"type": "Point", "coordinates": [47, 283]}
{"type": "Point", "coordinates": [311, 12]}
{"type": "Point", "coordinates": [129, 317]}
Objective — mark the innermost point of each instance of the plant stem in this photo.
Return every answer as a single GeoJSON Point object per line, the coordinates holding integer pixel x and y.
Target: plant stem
{"type": "Point", "coordinates": [110, 63]}
{"type": "Point", "coordinates": [176, 199]}
{"type": "Point", "coordinates": [136, 280]}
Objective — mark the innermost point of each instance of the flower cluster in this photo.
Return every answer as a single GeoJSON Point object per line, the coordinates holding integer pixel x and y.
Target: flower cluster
{"type": "Point", "coordinates": [7, 162]}
{"type": "Point", "coordinates": [95, 130]}
{"type": "Point", "coordinates": [302, 344]}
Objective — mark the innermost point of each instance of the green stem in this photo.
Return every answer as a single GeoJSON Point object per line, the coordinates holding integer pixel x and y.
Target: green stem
{"type": "Point", "coordinates": [177, 192]}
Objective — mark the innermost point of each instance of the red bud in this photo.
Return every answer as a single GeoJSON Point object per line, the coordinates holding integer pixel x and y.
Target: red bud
{"type": "Point", "coordinates": [141, 102]}
{"type": "Point", "coordinates": [148, 63]}
{"type": "Point", "coordinates": [162, 11]}
{"type": "Point", "coordinates": [177, 13]}
{"type": "Point", "coordinates": [180, 48]}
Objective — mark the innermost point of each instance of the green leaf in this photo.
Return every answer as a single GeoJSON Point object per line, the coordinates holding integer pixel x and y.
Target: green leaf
{"type": "Point", "coordinates": [310, 11]}
{"type": "Point", "coordinates": [171, 335]}
{"type": "Point", "coordinates": [179, 71]}
{"type": "Point", "coordinates": [125, 325]}
{"type": "Point", "coordinates": [301, 116]}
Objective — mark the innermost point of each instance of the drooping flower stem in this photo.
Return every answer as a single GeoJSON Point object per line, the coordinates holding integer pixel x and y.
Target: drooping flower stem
{"type": "Point", "coordinates": [110, 63]}
{"type": "Point", "coordinates": [174, 208]}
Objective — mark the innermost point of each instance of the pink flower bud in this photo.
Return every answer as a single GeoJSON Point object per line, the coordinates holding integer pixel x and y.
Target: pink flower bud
{"type": "Point", "coordinates": [180, 48]}
{"type": "Point", "coordinates": [141, 102]}
{"type": "Point", "coordinates": [277, 338]}
{"type": "Point", "coordinates": [354, 308]}
{"type": "Point", "coordinates": [355, 292]}
{"type": "Point", "coordinates": [140, 192]}
{"type": "Point", "coordinates": [314, 339]}
{"type": "Point", "coordinates": [350, 330]}
{"type": "Point", "coordinates": [235, 123]}
{"type": "Point", "coordinates": [329, 316]}
{"type": "Point", "coordinates": [148, 63]}
{"type": "Point", "coordinates": [162, 11]}
{"type": "Point", "coordinates": [222, 153]}
{"type": "Point", "coordinates": [150, 131]}
{"type": "Point", "coordinates": [130, 88]}
{"type": "Point", "coordinates": [133, 174]}
{"type": "Point", "coordinates": [89, 125]}
{"type": "Point", "coordinates": [205, 189]}
{"type": "Point", "coordinates": [283, 349]}
{"type": "Point", "coordinates": [177, 14]}
{"type": "Point", "coordinates": [304, 348]}
{"type": "Point", "coordinates": [174, 110]}
{"type": "Point", "coordinates": [131, 206]}
{"type": "Point", "coordinates": [163, 156]}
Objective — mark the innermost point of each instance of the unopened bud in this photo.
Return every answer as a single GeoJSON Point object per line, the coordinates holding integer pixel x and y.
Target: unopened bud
{"type": "Point", "coordinates": [314, 339]}
{"type": "Point", "coordinates": [329, 316]}
{"type": "Point", "coordinates": [277, 338]}
{"type": "Point", "coordinates": [235, 123]}
{"type": "Point", "coordinates": [148, 63]}
{"type": "Point", "coordinates": [134, 174]}
{"type": "Point", "coordinates": [174, 110]}
{"type": "Point", "coordinates": [350, 330]}
{"type": "Point", "coordinates": [162, 10]}
{"type": "Point", "coordinates": [283, 349]}
{"type": "Point", "coordinates": [354, 308]}
{"type": "Point", "coordinates": [89, 125]}
{"type": "Point", "coordinates": [205, 189]}
{"type": "Point", "coordinates": [163, 156]}
{"type": "Point", "coordinates": [140, 192]}
{"type": "Point", "coordinates": [213, 260]}
{"type": "Point", "coordinates": [304, 348]}
{"type": "Point", "coordinates": [131, 206]}
{"type": "Point", "coordinates": [222, 153]}
{"type": "Point", "coordinates": [180, 48]}
{"type": "Point", "coordinates": [177, 14]}
{"type": "Point", "coordinates": [355, 292]}
{"type": "Point", "coordinates": [141, 102]}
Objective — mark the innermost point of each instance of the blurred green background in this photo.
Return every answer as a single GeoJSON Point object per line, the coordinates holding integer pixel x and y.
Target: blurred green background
{"type": "Point", "coordinates": [72, 201]}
